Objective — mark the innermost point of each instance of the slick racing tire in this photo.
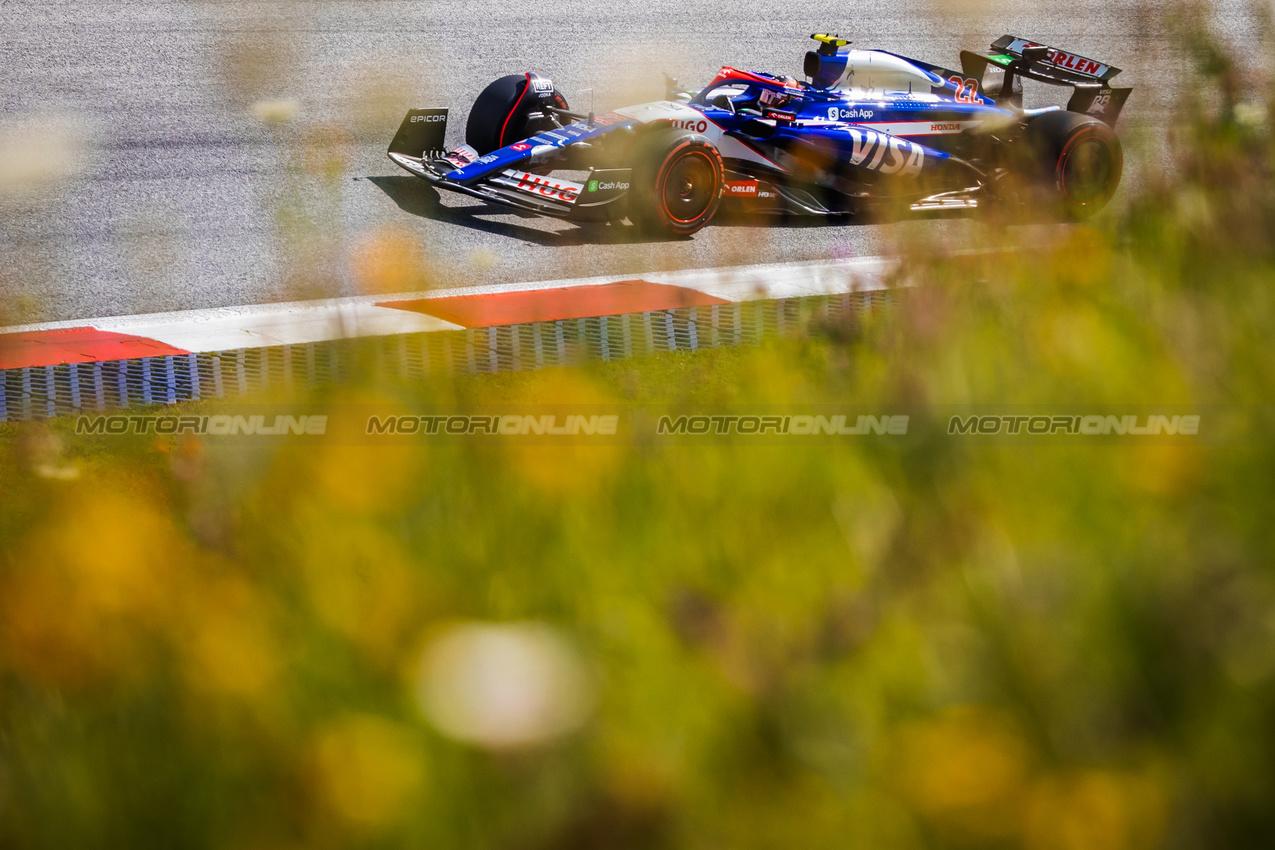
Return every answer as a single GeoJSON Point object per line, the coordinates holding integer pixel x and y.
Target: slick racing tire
{"type": "Point", "coordinates": [502, 115]}
{"type": "Point", "coordinates": [1077, 162]}
{"type": "Point", "coordinates": [678, 179]}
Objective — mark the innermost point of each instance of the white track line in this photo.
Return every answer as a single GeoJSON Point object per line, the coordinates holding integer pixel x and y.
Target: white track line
{"type": "Point", "coordinates": [293, 323]}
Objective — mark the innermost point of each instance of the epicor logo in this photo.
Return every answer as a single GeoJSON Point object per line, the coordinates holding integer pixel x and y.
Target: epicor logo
{"type": "Point", "coordinates": [433, 119]}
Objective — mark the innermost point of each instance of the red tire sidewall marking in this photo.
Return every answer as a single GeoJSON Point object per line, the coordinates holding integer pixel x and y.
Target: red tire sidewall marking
{"type": "Point", "coordinates": [672, 159]}
{"type": "Point", "coordinates": [500, 142]}
{"type": "Point", "coordinates": [1117, 166]}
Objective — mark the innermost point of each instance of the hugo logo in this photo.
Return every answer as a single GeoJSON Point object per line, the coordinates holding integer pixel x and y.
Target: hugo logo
{"type": "Point", "coordinates": [537, 185]}
{"type": "Point", "coordinates": [689, 124]}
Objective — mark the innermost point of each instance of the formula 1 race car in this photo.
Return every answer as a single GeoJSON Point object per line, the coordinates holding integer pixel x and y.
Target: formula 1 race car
{"type": "Point", "coordinates": [868, 127]}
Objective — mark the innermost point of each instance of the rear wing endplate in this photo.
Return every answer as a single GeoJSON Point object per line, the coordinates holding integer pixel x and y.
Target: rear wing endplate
{"type": "Point", "coordinates": [1017, 57]}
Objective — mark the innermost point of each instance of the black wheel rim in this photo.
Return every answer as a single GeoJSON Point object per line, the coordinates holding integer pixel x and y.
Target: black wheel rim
{"type": "Point", "coordinates": [689, 186]}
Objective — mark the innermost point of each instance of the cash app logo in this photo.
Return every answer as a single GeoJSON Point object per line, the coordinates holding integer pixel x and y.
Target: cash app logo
{"type": "Point", "coordinates": [593, 185]}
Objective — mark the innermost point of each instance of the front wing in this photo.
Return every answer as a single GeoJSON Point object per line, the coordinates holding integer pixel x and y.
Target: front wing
{"type": "Point", "coordinates": [503, 176]}
{"type": "Point", "coordinates": [521, 189]}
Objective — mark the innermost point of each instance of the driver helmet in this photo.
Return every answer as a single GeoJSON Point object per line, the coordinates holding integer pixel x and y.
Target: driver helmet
{"type": "Point", "coordinates": [771, 99]}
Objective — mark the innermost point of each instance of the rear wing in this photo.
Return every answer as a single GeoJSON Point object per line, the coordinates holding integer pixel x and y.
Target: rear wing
{"type": "Point", "coordinates": [1022, 58]}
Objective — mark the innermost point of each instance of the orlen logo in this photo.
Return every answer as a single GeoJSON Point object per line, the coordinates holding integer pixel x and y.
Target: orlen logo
{"type": "Point", "coordinates": [432, 119]}
{"type": "Point", "coordinates": [741, 188]}
{"type": "Point", "coordinates": [1072, 62]}
{"type": "Point", "coordinates": [870, 148]}
{"type": "Point", "coordinates": [689, 124]}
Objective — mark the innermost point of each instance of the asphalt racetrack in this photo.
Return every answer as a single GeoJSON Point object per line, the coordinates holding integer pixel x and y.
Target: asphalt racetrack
{"type": "Point", "coordinates": [180, 193]}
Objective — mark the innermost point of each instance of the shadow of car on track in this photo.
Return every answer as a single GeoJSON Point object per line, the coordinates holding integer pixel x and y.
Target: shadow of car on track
{"type": "Point", "coordinates": [418, 198]}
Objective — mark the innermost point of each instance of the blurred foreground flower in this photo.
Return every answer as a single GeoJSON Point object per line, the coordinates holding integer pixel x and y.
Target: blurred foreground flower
{"type": "Point", "coordinates": [44, 453]}
{"type": "Point", "coordinates": [37, 153]}
{"type": "Point", "coordinates": [503, 686]}
{"type": "Point", "coordinates": [80, 601]}
{"type": "Point", "coordinates": [390, 259]}
{"type": "Point", "coordinates": [275, 113]}
{"type": "Point", "coordinates": [325, 150]}
{"type": "Point", "coordinates": [965, 771]}
{"type": "Point", "coordinates": [366, 770]}
{"type": "Point", "coordinates": [483, 260]}
{"type": "Point", "coordinates": [1250, 116]}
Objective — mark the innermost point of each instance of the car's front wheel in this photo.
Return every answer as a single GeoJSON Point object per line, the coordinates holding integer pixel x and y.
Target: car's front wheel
{"type": "Point", "coordinates": [506, 112]}
{"type": "Point", "coordinates": [677, 185]}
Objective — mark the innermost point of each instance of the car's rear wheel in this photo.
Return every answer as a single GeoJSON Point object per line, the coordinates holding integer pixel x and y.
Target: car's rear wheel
{"type": "Point", "coordinates": [1076, 160]}
{"type": "Point", "coordinates": [677, 182]}
{"type": "Point", "coordinates": [505, 112]}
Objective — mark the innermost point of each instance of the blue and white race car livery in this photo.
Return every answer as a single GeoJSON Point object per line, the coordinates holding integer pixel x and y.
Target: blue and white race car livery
{"type": "Point", "coordinates": [865, 127]}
